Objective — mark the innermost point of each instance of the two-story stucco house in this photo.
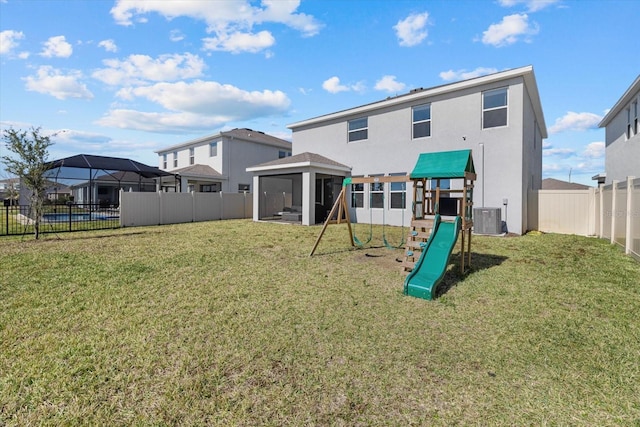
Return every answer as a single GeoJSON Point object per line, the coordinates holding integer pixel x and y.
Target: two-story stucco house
{"type": "Point", "coordinates": [218, 162]}
{"type": "Point", "coordinates": [498, 116]}
{"type": "Point", "coordinates": [622, 136]}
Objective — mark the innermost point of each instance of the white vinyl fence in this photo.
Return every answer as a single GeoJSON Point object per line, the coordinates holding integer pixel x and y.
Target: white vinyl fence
{"type": "Point", "coordinates": [610, 212]}
{"type": "Point", "coordinates": [139, 209]}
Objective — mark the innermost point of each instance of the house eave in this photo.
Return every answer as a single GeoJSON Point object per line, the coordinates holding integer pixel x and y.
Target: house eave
{"type": "Point", "coordinates": [298, 165]}
{"type": "Point", "coordinates": [622, 102]}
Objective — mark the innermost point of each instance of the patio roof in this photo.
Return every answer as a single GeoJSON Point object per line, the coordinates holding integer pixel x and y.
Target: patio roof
{"type": "Point", "coordinates": [88, 161]}
{"type": "Point", "coordinates": [305, 159]}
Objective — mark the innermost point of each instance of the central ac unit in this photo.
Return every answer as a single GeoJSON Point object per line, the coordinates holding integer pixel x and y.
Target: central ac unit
{"type": "Point", "coordinates": [487, 220]}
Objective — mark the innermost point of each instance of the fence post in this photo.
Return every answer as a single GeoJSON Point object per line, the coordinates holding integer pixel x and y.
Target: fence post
{"type": "Point", "coordinates": [614, 193]}
{"type": "Point", "coordinates": [601, 209]}
{"type": "Point", "coordinates": [160, 222]}
{"type": "Point", "coordinates": [221, 206]}
{"type": "Point", "coordinates": [628, 237]}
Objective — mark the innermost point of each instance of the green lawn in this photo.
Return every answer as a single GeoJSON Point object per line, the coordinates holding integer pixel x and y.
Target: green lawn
{"type": "Point", "coordinates": [231, 323]}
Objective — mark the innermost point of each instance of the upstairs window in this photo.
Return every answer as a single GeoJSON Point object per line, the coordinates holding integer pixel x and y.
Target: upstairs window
{"type": "Point", "coordinates": [213, 149]}
{"type": "Point", "coordinates": [358, 129]}
{"type": "Point", "coordinates": [283, 154]}
{"type": "Point", "coordinates": [164, 161]}
{"type": "Point", "coordinates": [421, 121]}
{"type": "Point", "coordinates": [628, 132]}
{"type": "Point", "coordinates": [494, 108]}
{"type": "Point", "coordinates": [175, 159]}
{"type": "Point", "coordinates": [192, 155]}
{"type": "Point", "coordinates": [635, 120]}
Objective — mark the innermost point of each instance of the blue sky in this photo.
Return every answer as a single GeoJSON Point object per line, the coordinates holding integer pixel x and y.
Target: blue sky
{"type": "Point", "coordinates": [125, 78]}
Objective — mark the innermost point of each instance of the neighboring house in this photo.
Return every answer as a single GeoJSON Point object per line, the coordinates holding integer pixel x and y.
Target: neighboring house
{"type": "Point", "coordinates": [498, 116]}
{"type": "Point", "coordinates": [622, 136]}
{"type": "Point", "coordinates": [556, 184]}
{"type": "Point", "coordinates": [105, 189]}
{"type": "Point", "coordinates": [218, 162]}
{"type": "Point", "coordinates": [10, 189]}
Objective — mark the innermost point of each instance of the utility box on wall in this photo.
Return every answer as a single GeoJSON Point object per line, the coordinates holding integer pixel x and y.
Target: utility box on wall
{"type": "Point", "coordinates": [487, 220]}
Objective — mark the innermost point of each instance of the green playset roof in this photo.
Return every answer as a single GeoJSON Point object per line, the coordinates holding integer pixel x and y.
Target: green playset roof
{"type": "Point", "coordinates": [443, 164]}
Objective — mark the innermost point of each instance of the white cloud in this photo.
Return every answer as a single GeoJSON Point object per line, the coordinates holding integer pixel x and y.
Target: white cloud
{"type": "Point", "coordinates": [140, 69]}
{"type": "Point", "coordinates": [228, 19]}
{"type": "Point", "coordinates": [389, 84]}
{"type": "Point", "coordinates": [207, 97]}
{"type": "Point", "coordinates": [558, 152]}
{"type": "Point", "coordinates": [413, 29]}
{"type": "Point", "coordinates": [575, 122]}
{"type": "Point", "coordinates": [9, 40]}
{"type": "Point", "coordinates": [57, 47]}
{"type": "Point", "coordinates": [108, 45]}
{"type": "Point", "coordinates": [176, 36]}
{"type": "Point", "coordinates": [240, 42]}
{"type": "Point", "coordinates": [52, 82]}
{"type": "Point", "coordinates": [594, 150]}
{"type": "Point", "coordinates": [463, 74]}
{"type": "Point", "coordinates": [531, 5]}
{"type": "Point", "coordinates": [511, 29]}
{"type": "Point", "coordinates": [161, 122]}
{"type": "Point", "coordinates": [333, 85]}
{"type": "Point", "coordinates": [196, 106]}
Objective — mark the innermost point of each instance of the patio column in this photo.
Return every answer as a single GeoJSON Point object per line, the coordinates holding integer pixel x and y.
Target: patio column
{"type": "Point", "coordinates": [308, 198]}
{"type": "Point", "coordinates": [184, 187]}
{"type": "Point", "coordinates": [256, 198]}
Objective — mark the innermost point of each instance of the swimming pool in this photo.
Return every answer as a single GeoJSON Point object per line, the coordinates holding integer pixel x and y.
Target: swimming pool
{"type": "Point", "coordinates": [77, 217]}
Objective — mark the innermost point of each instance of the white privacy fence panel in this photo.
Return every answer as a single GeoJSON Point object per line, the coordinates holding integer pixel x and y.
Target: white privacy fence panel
{"type": "Point", "coordinates": [139, 209]}
{"type": "Point", "coordinates": [635, 220]}
{"type": "Point", "coordinates": [611, 212]}
{"type": "Point", "coordinates": [567, 211]}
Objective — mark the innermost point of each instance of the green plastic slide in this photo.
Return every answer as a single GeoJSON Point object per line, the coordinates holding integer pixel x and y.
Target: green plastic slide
{"type": "Point", "coordinates": [430, 268]}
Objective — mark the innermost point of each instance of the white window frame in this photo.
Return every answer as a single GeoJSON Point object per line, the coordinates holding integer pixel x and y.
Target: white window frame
{"type": "Point", "coordinates": [496, 108]}
{"type": "Point", "coordinates": [164, 161]}
{"type": "Point", "coordinates": [175, 159]}
{"type": "Point", "coordinates": [376, 191]}
{"type": "Point", "coordinates": [398, 188]}
{"type": "Point", "coordinates": [192, 155]}
{"type": "Point", "coordinates": [357, 189]}
{"type": "Point", "coordinates": [354, 135]}
{"type": "Point", "coordinates": [213, 149]}
{"type": "Point", "coordinates": [415, 122]}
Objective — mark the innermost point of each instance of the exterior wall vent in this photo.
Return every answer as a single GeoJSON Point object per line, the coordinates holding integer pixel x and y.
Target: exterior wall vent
{"type": "Point", "coordinates": [487, 220]}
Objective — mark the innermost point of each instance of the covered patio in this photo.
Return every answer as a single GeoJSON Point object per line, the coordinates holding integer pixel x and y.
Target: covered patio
{"type": "Point", "coordinates": [298, 189]}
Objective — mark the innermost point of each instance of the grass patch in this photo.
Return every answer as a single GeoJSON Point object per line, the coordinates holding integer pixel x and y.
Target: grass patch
{"type": "Point", "coordinates": [231, 323]}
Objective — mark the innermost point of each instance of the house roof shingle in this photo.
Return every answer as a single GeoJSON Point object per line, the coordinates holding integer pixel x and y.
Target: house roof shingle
{"type": "Point", "coordinates": [556, 184]}
{"type": "Point", "coordinates": [305, 158]}
{"type": "Point", "coordinates": [244, 134]}
{"type": "Point", "coordinates": [198, 170]}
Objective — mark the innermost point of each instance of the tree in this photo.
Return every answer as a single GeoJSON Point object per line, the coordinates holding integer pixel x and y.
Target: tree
{"type": "Point", "coordinates": [29, 163]}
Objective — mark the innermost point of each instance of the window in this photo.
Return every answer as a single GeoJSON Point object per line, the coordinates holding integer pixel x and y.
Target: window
{"type": "Point", "coordinates": [164, 161]}
{"type": "Point", "coordinates": [635, 120]}
{"type": "Point", "coordinates": [358, 129]}
{"type": "Point", "coordinates": [283, 154]}
{"type": "Point", "coordinates": [494, 108]}
{"type": "Point", "coordinates": [175, 159]}
{"type": "Point", "coordinates": [243, 187]}
{"type": "Point", "coordinates": [210, 188]}
{"type": "Point", "coordinates": [192, 155]}
{"type": "Point", "coordinates": [628, 132]}
{"type": "Point", "coordinates": [213, 149]}
{"type": "Point", "coordinates": [397, 193]}
{"type": "Point", "coordinates": [421, 121]}
{"type": "Point", "coordinates": [377, 194]}
{"type": "Point", "coordinates": [357, 195]}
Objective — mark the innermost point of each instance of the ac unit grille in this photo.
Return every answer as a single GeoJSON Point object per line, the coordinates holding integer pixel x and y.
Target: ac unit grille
{"type": "Point", "coordinates": [487, 220]}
